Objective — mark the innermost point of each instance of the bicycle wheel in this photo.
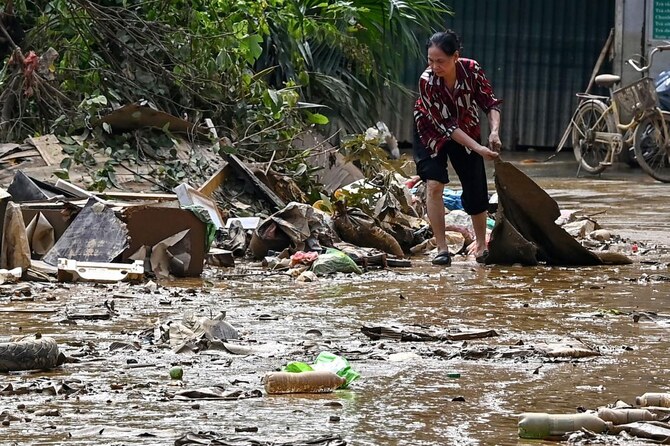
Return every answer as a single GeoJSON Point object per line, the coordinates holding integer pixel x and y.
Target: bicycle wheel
{"type": "Point", "coordinates": [591, 153]}
{"type": "Point", "coordinates": [651, 150]}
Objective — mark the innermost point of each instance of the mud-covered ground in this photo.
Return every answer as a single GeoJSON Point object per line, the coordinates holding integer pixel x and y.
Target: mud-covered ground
{"type": "Point", "coordinates": [116, 388]}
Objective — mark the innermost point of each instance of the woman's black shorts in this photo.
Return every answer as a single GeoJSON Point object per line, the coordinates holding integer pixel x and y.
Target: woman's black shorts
{"type": "Point", "coordinates": [468, 166]}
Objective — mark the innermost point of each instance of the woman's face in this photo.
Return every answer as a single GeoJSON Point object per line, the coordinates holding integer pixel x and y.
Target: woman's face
{"type": "Point", "coordinates": [442, 64]}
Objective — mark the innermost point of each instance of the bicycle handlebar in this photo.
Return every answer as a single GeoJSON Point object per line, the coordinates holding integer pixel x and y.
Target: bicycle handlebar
{"type": "Point", "coordinates": [653, 51]}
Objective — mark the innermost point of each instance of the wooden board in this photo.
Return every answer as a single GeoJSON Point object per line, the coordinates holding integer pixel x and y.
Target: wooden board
{"type": "Point", "coordinates": [49, 148]}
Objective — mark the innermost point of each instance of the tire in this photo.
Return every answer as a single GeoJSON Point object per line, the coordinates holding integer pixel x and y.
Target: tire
{"type": "Point", "coordinates": [651, 152]}
{"type": "Point", "coordinates": [589, 153]}
{"type": "Point", "coordinates": [627, 154]}
{"type": "Point", "coordinates": [29, 354]}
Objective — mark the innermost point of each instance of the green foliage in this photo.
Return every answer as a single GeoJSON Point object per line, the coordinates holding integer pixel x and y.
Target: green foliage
{"type": "Point", "coordinates": [370, 156]}
{"type": "Point", "coordinates": [363, 197]}
{"type": "Point", "coordinates": [347, 55]}
{"type": "Point", "coordinates": [262, 70]}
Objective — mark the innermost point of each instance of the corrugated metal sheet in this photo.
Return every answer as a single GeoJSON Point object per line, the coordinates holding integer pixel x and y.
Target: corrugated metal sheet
{"type": "Point", "coordinates": [537, 54]}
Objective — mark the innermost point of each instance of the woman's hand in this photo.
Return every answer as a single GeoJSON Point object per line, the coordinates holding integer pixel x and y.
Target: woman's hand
{"type": "Point", "coordinates": [485, 152]}
{"type": "Point", "coordinates": [494, 141]}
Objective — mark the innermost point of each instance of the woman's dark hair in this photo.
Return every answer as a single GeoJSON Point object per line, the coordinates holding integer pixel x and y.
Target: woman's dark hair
{"type": "Point", "coordinates": [448, 41]}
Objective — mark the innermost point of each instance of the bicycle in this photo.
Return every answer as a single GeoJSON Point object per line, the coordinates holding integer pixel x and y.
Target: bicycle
{"type": "Point", "coordinates": [598, 135]}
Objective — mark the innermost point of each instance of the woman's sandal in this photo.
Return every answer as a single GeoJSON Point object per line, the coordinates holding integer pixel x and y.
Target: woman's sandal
{"type": "Point", "coordinates": [442, 258]}
{"type": "Point", "coordinates": [482, 258]}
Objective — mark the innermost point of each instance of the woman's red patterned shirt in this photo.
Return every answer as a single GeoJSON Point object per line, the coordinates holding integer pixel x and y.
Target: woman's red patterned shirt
{"type": "Point", "coordinates": [439, 111]}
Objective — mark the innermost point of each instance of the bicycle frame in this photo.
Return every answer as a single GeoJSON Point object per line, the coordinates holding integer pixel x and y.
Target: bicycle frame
{"type": "Point", "coordinates": [616, 141]}
{"type": "Point", "coordinates": [599, 135]}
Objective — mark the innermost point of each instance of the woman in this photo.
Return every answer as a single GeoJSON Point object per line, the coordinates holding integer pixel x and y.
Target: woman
{"type": "Point", "coordinates": [451, 92]}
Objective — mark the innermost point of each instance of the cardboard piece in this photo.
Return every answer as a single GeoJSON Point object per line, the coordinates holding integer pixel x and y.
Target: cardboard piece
{"type": "Point", "coordinates": [15, 252]}
{"type": "Point", "coordinates": [134, 116]}
{"type": "Point", "coordinates": [95, 235]}
{"type": "Point", "coordinates": [40, 234]}
{"type": "Point", "coordinates": [59, 215]}
{"type": "Point", "coordinates": [5, 197]}
{"type": "Point", "coordinates": [525, 230]}
{"type": "Point", "coordinates": [172, 255]}
{"type": "Point", "coordinates": [148, 225]}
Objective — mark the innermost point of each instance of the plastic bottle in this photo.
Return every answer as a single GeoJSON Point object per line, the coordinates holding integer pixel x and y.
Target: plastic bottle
{"type": "Point", "coordinates": [303, 382]}
{"type": "Point", "coordinates": [653, 399]}
{"type": "Point", "coordinates": [547, 426]}
{"type": "Point", "coordinates": [623, 416]}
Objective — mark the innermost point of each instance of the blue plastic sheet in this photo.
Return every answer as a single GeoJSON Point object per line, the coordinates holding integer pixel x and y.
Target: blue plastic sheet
{"type": "Point", "coordinates": [452, 199]}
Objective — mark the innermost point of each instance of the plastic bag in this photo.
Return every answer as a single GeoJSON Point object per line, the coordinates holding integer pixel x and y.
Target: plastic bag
{"type": "Point", "coordinates": [452, 199]}
{"type": "Point", "coordinates": [334, 261]}
{"type": "Point", "coordinates": [327, 362]}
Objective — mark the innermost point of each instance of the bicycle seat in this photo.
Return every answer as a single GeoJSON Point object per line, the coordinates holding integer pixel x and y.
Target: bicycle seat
{"type": "Point", "coordinates": [607, 80]}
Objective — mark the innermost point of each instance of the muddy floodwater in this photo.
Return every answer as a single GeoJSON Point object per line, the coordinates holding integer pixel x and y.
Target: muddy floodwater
{"type": "Point", "coordinates": [115, 396]}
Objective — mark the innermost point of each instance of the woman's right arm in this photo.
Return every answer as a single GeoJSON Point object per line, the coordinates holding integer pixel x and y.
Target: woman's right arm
{"type": "Point", "coordinates": [463, 139]}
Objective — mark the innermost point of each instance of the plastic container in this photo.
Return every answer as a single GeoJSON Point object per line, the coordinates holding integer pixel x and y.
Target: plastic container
{"type": "Point", "coordinates": [303, 382]}
{"type": "Point", "coordinates": [623, 416]}
{"type": "Point", "coordinates": [328, 362]}
{"type": "Point", "coordinates": [653, 399]}
{"type": "Point", "coordinates": [540, 426]}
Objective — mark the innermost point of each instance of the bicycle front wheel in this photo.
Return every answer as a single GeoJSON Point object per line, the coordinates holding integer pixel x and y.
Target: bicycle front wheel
{"type": "Point", "coordinates": [652, 149]}
{"type": "Point", "coordinates": [591, 118]}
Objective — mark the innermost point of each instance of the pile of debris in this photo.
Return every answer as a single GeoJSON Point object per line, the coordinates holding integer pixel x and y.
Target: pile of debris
{"type": "Point", "coordinates": [64, 228]}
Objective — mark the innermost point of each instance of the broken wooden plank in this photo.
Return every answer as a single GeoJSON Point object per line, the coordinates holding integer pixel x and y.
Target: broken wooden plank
{"type": "Point", "coordinates": [213, 182]}
{"type": "Point", "coordinates": [6, 148]}
{"type": "Point", "coordinates": [136, 195]}
{"type": "Point", "coordinates": [49, 148]}
{"type": "Point", "coordinates": [18, 155]}
{"type": "Point", "coordinates": [242, 170]}
{"type": "Point", "coordinates": [30, 310]}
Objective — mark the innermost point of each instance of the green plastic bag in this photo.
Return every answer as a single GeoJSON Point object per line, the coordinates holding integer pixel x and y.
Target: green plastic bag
{"type": "Point", "coordinates": [297, 367]}
{"type": "Point", "coordinates": [334, 261]}
{"type": "Point", "coordinates": [328, 362]}
{"type": "Point", "coordinates": [210, 227]}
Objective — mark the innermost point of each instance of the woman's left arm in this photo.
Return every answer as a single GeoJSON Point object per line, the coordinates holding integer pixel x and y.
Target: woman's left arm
{"type": "Point", "coordinates": [494, 126]}
{"type": "Point", "coordinates": [484, 96]}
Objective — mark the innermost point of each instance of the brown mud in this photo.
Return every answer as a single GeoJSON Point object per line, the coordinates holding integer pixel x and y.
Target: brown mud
{"type": "Point", "coordinates": [125, 396]}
